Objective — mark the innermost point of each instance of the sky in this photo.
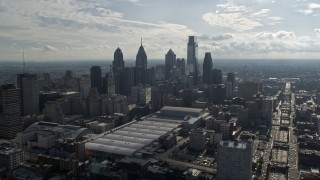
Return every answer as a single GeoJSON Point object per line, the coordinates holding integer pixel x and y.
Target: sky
{"type": "Point", "coordinates": [92, 29]}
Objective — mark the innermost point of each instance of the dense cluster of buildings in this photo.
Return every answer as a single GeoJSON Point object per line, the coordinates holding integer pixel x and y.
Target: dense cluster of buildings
{"type": "Point", "coordinates": [170, 121]}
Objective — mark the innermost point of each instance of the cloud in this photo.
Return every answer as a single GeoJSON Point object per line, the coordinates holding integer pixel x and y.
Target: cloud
{"type": "Point", "coordinates": [221, 37]}
{"type": "Point", "coordinates": [276, 35]}
{"type": "Point", "coordinates": [309, 9]}
{"type": "Point", "coordinates": [49, 48]}
{"type": "Point", "coordinates": [314, 6]}
{"type": "Point", "coordinates": [235, 21]}
{"type": "Point", "coordinates": [317, 31]}
{"type": "Point", "coordinates": [232, 7]}
{"type": "Point", "coordinates": [262, 12]}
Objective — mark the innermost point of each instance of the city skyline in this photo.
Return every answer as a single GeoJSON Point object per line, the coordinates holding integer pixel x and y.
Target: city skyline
{"type": "Point", "coordinates": [77, 30]}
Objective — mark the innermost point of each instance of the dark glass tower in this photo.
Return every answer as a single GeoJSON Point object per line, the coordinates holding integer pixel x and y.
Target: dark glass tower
{"type": "Point", "coordinates": [117, 60]}
{"type": "Point", "coordinates": [96, 78]}
{"type": "Point", "coordinates": [170, 63]}
{"type": "Point", "coordinates": [207, 68]}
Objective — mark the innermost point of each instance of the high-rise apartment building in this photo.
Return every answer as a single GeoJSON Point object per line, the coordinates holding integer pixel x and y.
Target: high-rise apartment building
{"type": "Point", "coordinates": [117, 60]}
{"type": "Point", "coordinates": [170, 63]}
{"type": "Point", "coordinates": [96, 78]}
{"type": "Point", "coordinates": [10, 118]}
{"type": "Point", "coordinates": [234, 160]}
{"type": "Point", "coordinates": [207, 68]}
{"type": "Point", "coordinates": [192, 59]}
{"type": "Point", "coordinates": [29, 88]}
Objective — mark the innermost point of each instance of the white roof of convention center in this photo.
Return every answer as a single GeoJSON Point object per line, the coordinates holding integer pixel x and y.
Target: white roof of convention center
{"type": "Point", "coordinates": [123, 144]}
{"type": "Point", "coordinates": [160, 128]}
{"type": "Point", "coordinates": [109, 149]}
{"type": "Point", "coordinates": [128, 138]}
{"type": "Point", "coordinates": [147, 131]}
{"type": "Point", "coordinates": [154, 123]}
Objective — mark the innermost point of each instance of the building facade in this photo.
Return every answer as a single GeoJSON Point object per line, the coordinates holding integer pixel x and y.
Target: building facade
{"type": "Point", "coordinates": [234, 160]}
{"type": "Point", "coordinates": [10, 118]}
{"type": "Point", "coordinates": [29, 88]}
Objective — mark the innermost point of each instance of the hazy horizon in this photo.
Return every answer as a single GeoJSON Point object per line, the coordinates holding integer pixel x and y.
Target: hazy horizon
{"type": "Point", "coordinates": [93, 29]}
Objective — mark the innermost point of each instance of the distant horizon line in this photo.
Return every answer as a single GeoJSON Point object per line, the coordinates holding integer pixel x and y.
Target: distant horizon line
{"type": "Point", "coordinates": [108, 60]}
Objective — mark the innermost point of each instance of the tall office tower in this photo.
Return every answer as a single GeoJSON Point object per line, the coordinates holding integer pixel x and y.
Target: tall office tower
{"type": "Point", "coordinates": [170, 63]}
{"type": "Point", "coordinates": [231, 77]}
{"type": "Point", "coordinates": [192, 58]}
{"type": "Point", "coordinates": [70, 82]}
{"type": "Point", "coordinates": [10, 120]}
{"type": "Point", "coordinates": [207, 68]}
{"type": "Point", "coordinates": [216, 76]}
{"type": "Point", "coordinates": [96, 78]}
{"type": "Point", "coordinates": [29, 88]}
{"type": "Point", "coordinates": [151, 76]}
{"type": "Point", "coordinates": [234, 160]}
{"type": "Point", "coordinates": [125, 80]}
{"type": "Point", "coordinates": [141, 66]}
{"type": "Point", "coordinates": [248, 89]}
{"type": "Point", "coordinates": [267, 111]}
{"type": "Point", "coordinates": [117, 60]}
{"type": "Point", "coordinates": [180, 71]}
{"type": "Point", "coordinates": [94, 103]}
{"type": "Point", "coordinates": [84, 85]}
{"type": "Point", "coordinates": [160, 72]}
{"type": "Point", "coordinates": [111, 84]}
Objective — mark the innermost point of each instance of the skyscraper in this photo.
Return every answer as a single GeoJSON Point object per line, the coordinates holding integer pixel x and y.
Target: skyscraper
{"type": "Point", "coordinates": [111, 85]}
{"type": "Point", "coordinates": [125, 80]}
{"type": "Point", "coordinates": [29, 88]}
{"type": "Point", "coordinates": [180, 70]}
{"type": "Point", "coordinates": [216, 76]}
{"type": "Point", "coordinates": [170, 63]}
{"type": "Point", "coordinates": [207, 68]}
{"type": "Point", "coordinates": [117, 60]}
{"type": "Point", "coordinates": [141, 66]}
{"type": "Point", "coordinates": [10, 120]}
{"type": "Point", "coordinates": [234, 160]}
{"type": "Point", "coordinates": [96, 78]}
{"type": "Point", "coordinates": [192, 58]}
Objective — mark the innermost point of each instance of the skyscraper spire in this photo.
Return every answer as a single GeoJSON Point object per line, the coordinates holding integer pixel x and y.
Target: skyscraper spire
{"type": "Point", "coordinates": [141, 41]}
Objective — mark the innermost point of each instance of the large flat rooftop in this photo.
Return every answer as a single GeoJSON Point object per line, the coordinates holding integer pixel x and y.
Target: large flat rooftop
{"type": "Point", "coordinates": [130, 138]}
